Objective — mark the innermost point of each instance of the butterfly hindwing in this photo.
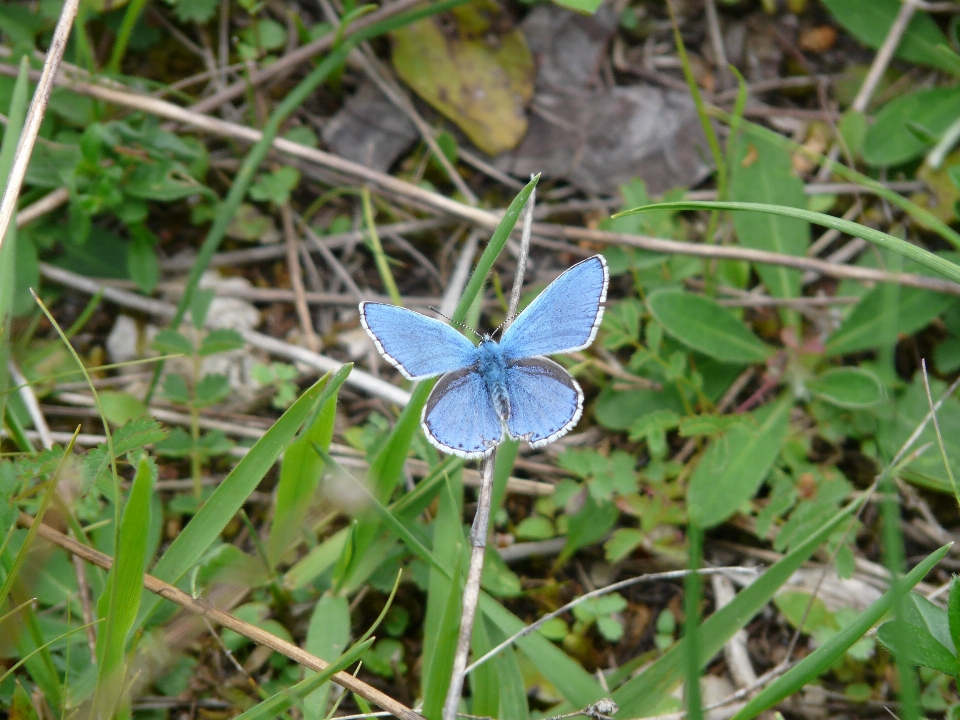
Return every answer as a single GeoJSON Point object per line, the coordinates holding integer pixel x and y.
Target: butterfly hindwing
{"type": "Point", "coordinates": [417, 345]}
{"type": "Point", "coordinates": [562, 318]}
{"type": "Point", "coordinates": [459, 417]}
{"type": "Point", "coordinates": [545, 401]}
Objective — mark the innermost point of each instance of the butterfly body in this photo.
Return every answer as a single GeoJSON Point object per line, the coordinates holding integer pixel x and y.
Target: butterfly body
{"type": "Point", "coordinates": [495, 389]}
{"type": "Point", "coordinates": [492, 367]}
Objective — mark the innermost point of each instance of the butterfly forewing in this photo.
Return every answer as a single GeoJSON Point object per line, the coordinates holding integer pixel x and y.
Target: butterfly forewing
{"type": "Point", "coordinates": [417, 345]}
{"type": "Point", "coordinates": [562, 318]}
{"type": "Point", "coordinates": [459, 417]}
{"type": "Point", "coordinates": [545, 401]}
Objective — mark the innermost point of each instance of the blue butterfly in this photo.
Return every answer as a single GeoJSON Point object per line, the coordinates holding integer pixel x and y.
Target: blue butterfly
{"type": "Point", "coordinates": [493, 388]}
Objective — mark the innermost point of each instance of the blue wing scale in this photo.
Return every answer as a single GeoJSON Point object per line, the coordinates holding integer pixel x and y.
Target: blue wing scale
{"type": "Point", "coordinates": [562, 318]}
{"type": "Point", "coordinates": [545, 401]}
{"type": "Point", "coordinates": [459, 417]}
{"type": "Point", "coordinates": [417, 345]}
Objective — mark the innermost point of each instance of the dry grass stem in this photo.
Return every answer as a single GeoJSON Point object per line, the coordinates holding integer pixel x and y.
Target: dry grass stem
{"type": "Point", "coordinates": [38, 107]}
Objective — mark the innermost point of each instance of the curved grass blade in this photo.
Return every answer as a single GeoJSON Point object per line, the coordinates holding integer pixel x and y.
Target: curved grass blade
{"type": "Point", "coordinates": [881, 239]}
{"type": "Point", "coordinates": [823, 657]}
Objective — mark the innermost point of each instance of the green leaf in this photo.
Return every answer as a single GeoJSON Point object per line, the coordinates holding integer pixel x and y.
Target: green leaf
{"type": "Point", "coordinates": [706, 326]}
{"type": "Point", "coordinates": [119, 407]}
{"type": "Point", "coordinates": [657, 421]}
{"type": "Point", "coordinates": [266, 34]}
{"type": "Point", "coordinates": [276, 186]}
{"type": "Point", "coordinates": [735, 464]}
{"type": "Point", "coordinates": [535, 527]}
{"type": "Point", "coordinates": [918, 611]}
{"type": "Point", "coordinates": [917, 646]}
{"type": "Point", "coordinates": [584, 6]}
{"type": "Point", "coordinates": [847, 387]}
{"type": "Point", "coordinates": [121, 598]}
{"type": "Point", "coordinates": [198, 11]}
{"type": "Point", "coordinates": [220, 340]}
{"type": "Point", "coordinates": [207, 524]}
{"type": "Point", "coordinates": [761, 172]}
{"type": "Point", "coordinates": [869, 22]}
{"type": "Point", "coordinates": [823, 657]}
{"type": "Point", "coordinates": [707, 424]}
{"type": "Point", "coordinates": [175, 389]}
{"type": "Point", "coordinates": [953, 611]}
{"type": "Point", "coordinates": [622, 542]}
{"type": "Point", "coordinates": [212, 388]}
{"type": "Point", "coordinates": [869, 324]}
{"type": "Point", "coordinates": [589, 525]}
{"type": "Point", "coordinates": [890, 140]}
{"type": "Point", "coordinates": [171, 342]}
{"type": "Point", "coordinates": [890, 242]}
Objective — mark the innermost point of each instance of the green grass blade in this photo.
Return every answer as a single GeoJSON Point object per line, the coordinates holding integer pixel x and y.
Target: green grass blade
{"type": "Point", "coordinates": [824, 656]}
{"type": "Point", "coordinates": [436, 676]}
{"type": "Point", "coordinates": [376, 247]}
{"type": "Point", "coordinates": [123, 36]}
{"type": "Point", "coordinates": [300, 472]}
{"type": "Point", "coordinates": [230, 495]}
{"type": "Point", "coordinates": [692, 594]}
{"type": "Point", "coordinates": [15, 117]}
{"type": "Point", "coordinates": [327, 636]}
{"type": "Point", "coordinates": [121, 598]}
{"type": "Point", "coordinates": [448, 546]}
{"type": "Point", "coordinates": [643, 692]}
{"type": "Point", "coordinates": [881, 239]}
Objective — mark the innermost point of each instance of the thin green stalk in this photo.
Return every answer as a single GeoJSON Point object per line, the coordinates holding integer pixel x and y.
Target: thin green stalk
{"type": "Point", "coordinates": [83, 52]}
{"type": "Point", "coordinates": [16, 112]}
{"type": "Point", "coordinates": [123, 36]}
{"type": "Point", "coordinates": [196, 466]}
{"type": "Point", "coordinates": [712, 141]}
{"type": "Point", "coordinates": [373, 240]}
{"type": "Point", "coordinates": [894, 559]}
{"type": "Point", "coordinates": [936, 429]}
{"type": "Point", "coordinates": [103, 418]}
{"type": "Point", "coordinates": [692, 595]}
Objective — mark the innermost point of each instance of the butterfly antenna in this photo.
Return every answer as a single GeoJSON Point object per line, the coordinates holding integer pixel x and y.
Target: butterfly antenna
{"type": "Point", "coordinates": [506, 321]}
{"type": "Point", "coordinates": [460, 324]}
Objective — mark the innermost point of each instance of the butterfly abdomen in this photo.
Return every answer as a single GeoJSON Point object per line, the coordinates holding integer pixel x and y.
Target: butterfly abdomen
{"type": "Point", "coordinates": [493, 369]}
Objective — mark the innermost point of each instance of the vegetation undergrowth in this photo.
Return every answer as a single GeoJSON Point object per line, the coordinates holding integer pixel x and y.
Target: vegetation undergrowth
{"type": "Point", "coordinates": [215, 497]}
